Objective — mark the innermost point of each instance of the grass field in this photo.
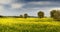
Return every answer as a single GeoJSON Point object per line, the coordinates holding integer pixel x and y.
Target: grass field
{"type": "Point", "coordinates": [29, 25]}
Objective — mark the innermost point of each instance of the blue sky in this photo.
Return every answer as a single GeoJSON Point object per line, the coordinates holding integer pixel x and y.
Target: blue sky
{"type": "Point", "coordinates": [31, 7]}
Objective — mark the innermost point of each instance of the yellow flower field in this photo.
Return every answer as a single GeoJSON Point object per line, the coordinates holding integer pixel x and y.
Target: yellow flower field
{"type": "Point", "coordinates": [29, 25]}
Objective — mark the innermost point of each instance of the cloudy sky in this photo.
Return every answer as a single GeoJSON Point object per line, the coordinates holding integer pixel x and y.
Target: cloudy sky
{"type": "Point", "coordinates": [31, 7]}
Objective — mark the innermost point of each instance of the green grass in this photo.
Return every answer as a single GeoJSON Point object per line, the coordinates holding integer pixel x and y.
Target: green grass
{"type": "Point", "coordinates": [29, 25]}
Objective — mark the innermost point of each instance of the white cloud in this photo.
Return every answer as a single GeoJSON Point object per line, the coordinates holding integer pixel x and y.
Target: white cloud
{"type": "Point", "coordinates": [5, 1]}
{"type": "Point", "coordinates": [1, 8]}
{"type": "Point", "coordinates": [16, 5]}
{"type": "Point", "coordinates": [40, 3]}
{"type": "Point", "coordinates": [55, 8]}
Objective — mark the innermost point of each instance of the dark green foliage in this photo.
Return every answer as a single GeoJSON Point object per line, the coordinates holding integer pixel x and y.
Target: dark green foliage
{"type": "Point", "coordinates": [55, 14]}
{"type": "Point", "coordinates": [52, 13]}
{"type": "Point", "coordinates": [40, 14]}
{"type": "Point", "coordinates": [1, 16]}
{"type": "Point", "coordinates": [25, 15]}
{"type": "Point", "coordinates": [21, 16]}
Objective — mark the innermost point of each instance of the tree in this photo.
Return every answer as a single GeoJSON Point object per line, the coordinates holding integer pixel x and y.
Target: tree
{"type": "Point", "coordinates": [1, 16]}
{"type": "Point", "coordinates": [25, 15]}
{"type": "Point", "coordinates": [40, 14]}
{"type": "Point", "coordinates": [55, 14]}
{"type": "Point", "coordinates": [21, 16]}
{"type": "Point", "coordinates": [52, 13]}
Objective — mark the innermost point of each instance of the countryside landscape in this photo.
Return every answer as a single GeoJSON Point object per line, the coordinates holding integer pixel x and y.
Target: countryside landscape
{"type": "Point", "coordinates": [31, 24]}
{"type": "Point", "coordinates": [29, 15]}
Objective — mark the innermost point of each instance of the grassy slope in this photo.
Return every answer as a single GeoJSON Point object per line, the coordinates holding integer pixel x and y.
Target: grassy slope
{"type": "Point", "coordinates": [29, 25]}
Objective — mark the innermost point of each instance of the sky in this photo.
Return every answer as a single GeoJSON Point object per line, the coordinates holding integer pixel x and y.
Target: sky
{"type": "Point", "coordinates": [31, 7]}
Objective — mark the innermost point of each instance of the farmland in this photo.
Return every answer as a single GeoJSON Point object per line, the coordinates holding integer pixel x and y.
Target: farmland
{"type": "Point", "coordinates": [29, 25]}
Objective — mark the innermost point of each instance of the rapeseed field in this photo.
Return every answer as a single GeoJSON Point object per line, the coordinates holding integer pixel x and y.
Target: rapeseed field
{"type": "Point", "coordinates": [29, 25]}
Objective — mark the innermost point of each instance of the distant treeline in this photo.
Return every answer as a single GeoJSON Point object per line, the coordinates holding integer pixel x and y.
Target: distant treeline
{"type": "Point", "coordinates": [55, 14]}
